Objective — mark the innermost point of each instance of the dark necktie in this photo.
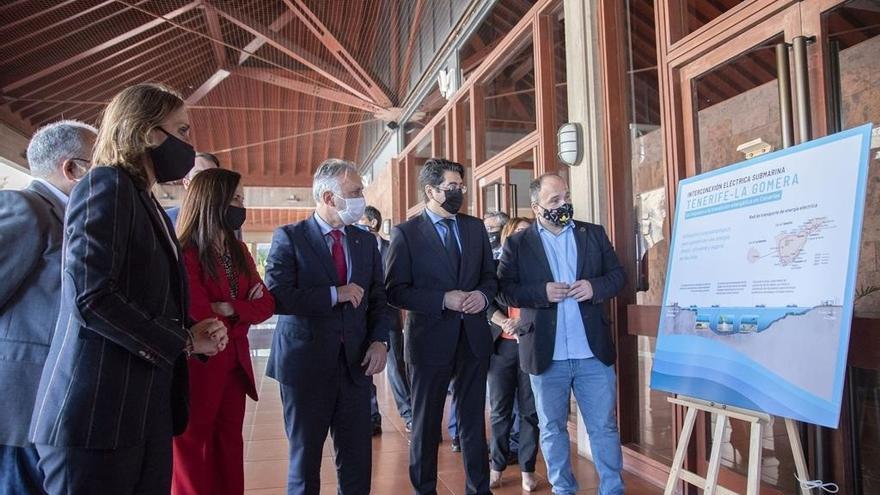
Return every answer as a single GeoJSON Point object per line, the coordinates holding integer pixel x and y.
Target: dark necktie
{"type": "Point", "coordinates": [339, 257]}
{"type": "Point", "coordinates": [452, 244]}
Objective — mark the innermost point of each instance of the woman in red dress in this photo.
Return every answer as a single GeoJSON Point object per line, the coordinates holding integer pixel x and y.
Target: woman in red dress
{"type": "Point", "coordinates": [223, 283]}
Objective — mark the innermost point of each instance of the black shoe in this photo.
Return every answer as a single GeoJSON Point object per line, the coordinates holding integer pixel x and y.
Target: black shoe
{"type": "Point", "coordinates": [377, 429]}
{"type": "Point", "coordinates": [456, 444]}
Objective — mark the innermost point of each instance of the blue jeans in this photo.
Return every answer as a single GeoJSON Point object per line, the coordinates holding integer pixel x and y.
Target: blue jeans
{"type": "Point", "coordinates": [594, 386]}
{"type": "Point", "coordinates": [18, 470]}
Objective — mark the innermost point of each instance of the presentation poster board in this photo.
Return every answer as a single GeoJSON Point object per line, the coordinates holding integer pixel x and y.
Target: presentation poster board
{"type": "Point", "coordinates": [762, 269]}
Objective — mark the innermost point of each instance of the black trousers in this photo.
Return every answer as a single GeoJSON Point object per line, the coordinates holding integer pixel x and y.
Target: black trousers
{"type": "Point", "coordinates": [328, 402]}
{"type": "Point", "coordinates": [508, 384]}
{"type": "Point", "coordinates": [142, 469]}
{"type": "Point", "coordinates": [429, 386]}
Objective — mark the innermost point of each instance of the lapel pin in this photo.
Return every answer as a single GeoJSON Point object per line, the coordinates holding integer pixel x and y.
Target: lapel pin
{"type": "Point", "coordinates": [583, 229]}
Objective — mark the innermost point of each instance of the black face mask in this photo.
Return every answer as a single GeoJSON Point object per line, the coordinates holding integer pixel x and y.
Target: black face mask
{"type": "Point", "coordinates": [172, 159]}
{"type": "Point", "coordinates": [235, 216]}
{"type": "Point", "coordinates": [454, 200]}
{"type": "Point", "coordinates": [561, 216]}
{"type": "Point", "coordinates": [495, 239]}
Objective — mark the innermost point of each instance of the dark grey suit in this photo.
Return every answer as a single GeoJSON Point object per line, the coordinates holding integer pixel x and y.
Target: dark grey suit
{"type": "Point", "coordinates": [114, 386]}
{"type": "Point", "coordinates": [31, 233]}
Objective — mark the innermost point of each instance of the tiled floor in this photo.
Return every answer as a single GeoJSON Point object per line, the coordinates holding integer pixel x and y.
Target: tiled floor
{"type": "Point", "coordinates": [266, 454]}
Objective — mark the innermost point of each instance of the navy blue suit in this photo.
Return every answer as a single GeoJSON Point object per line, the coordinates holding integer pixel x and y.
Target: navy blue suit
{"type": "Point", "coordinates": [317, 350]}
{"type": "Point", "coordinates": [31, 232]}
{"type": "Point", "coordinates": [114, 385]}
{"type": "Point", "coordinates": [442, 344]}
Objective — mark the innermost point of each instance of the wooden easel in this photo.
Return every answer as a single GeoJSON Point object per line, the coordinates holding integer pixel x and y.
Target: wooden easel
{"type": "Point", "coordinates": [758, 421]}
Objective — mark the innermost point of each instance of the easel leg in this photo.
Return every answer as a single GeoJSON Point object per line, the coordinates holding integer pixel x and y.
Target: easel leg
{"type": "Point", "coordinates": [680, 451]}
{"type": "Point", "coordinates": [797, 452]}
{"type": "Point", "coordinates": [753, 486]}
{"type": "Point", "coordinates": [715, 457]}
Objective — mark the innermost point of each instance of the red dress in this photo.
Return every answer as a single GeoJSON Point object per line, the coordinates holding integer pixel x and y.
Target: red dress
{"type": "Point", "coordinates": [209, 455]}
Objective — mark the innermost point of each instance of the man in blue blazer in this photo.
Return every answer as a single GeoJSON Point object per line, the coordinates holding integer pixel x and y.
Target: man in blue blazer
{"type": "Point", "coordinates": [440, 270]}
{"type": "Point", "coordinates": [31, 233]}
{"type": "Point", "coordinates": [559, 272]}
{"type": "Point", "coordinates": [326, 277]}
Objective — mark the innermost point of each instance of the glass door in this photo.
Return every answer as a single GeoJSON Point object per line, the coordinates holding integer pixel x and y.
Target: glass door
{"type": "Point", "coordinates": [849, 41]}
{"type": "Point", "coordinates": [736, 99]}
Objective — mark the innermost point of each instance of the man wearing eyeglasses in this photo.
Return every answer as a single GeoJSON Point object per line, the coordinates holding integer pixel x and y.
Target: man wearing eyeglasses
{"type": "Point", "coordinates": [440, 270]}
{"type": "Point", "coordinates": [31, 233]}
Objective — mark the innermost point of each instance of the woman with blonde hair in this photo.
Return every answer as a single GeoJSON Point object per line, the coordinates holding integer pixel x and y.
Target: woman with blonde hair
{"type": "Point", "coordinates": [223, 283]}
{"type": "Point", "coordinates": [114, 387]}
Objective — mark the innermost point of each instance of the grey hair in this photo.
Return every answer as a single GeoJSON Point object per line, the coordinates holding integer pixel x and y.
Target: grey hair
{"type": "Point", "coordinates": [535, 185]}
{"type": "Point", "coordinates": [57, 142]}
{"type": "Point", "coordinates": [328, 174]}
{"type": "Point", "coordinates": [502, 217]}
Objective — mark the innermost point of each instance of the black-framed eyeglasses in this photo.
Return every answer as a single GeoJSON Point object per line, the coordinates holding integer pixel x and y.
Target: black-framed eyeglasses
{"type": "Point", "coordinates": [453, 187]}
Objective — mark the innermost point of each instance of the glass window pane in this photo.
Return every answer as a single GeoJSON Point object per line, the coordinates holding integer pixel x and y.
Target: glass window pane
{"type": "Point", "coordinates": [416, 159]}
{"type": "Point", "coordinates": [510, 100]}
{"type": "Point", "coordinates": [737, 102]}
{"type": "Point", "coordinates": [702, 12]}
{"type": "Point", "coordinates": [647, 181]}
{"type": "Point", "coordinates": [500, 21]}
{"type": "Point", "coordinates": [522, 171]}
{"type": "Point", "coordinates": [853, 43]}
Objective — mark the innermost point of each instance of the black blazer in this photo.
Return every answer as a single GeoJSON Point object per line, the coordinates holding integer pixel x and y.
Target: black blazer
{"type": "Point", "coordinates": [299, 273]}
{"type": "Point", "coordinates": [419, 273]}
{"type": "Point", "coordinates": [31, 233]}
{"type": "Point", "coordinates": [524, 271]}
{"type": "Point", "coordinates": [117, 354]}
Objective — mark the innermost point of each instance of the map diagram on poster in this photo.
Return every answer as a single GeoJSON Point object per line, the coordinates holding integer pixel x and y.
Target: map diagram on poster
{"type": "Point", "coordinates": [759, 289]}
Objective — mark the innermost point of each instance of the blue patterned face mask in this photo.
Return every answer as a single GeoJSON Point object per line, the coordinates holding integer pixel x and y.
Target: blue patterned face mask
{"type": "Point", "coordinates": [559, 216]}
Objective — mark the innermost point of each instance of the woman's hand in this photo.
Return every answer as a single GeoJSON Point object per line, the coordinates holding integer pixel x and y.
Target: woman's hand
{"type": "Point", "coordinates": [209, 337]}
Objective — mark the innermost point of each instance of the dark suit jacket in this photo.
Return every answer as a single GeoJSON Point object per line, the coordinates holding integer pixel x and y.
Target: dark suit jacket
{"type": "Point", "coordinates": [31, 233]}
{"type": "Point", "coordinates": [300, 272]}
{"type": "Point", "coordinates": [419, 273]}
{"type": "Point", "coordinates": [524, 271]}
{"type": "Point", "coordinates": [117, 353]}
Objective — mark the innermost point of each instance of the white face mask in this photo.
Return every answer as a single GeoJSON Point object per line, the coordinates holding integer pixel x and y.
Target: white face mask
{"type": "Point", "coordinates": [352, 210]}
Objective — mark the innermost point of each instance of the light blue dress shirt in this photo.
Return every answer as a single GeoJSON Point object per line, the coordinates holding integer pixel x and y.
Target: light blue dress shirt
{"type": "Point", "coordinates": [571, 335]}
{"type": "Point", "coordinates": [440, 227]}
{"type": "Point", "coordinates": [437, 220]}
{"type": "Point", "coordinates": [325, 233]}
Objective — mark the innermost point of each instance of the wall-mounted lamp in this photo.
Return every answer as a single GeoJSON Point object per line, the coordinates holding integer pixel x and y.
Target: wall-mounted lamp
{"type": "Point", "coordinates": [569, 143]}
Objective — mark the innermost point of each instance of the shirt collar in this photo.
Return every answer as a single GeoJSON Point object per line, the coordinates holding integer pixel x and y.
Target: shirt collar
{"type": "Point", "coordinates": [54, 190]}
{"type": "Point", "coordinates": [542, 229]}
{"type": "Point", "coordinates": [435, 217]}
{"type": "Point", "coordinates": [326, 227]}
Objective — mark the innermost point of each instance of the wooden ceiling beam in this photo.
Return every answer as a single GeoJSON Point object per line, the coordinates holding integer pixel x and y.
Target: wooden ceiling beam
{"type": "Point", "coordinates": [213, 22]}
{"type": "Point", "coordinates": [284, 45]}
{"type": "Point", "coordinates": [91, 75]}
{"type": "Point", "coordinates": [99, 48]}
{"type": "Point", "coordinates": [212, 82]}
{"type": "Point", "coordinates": [410, 45]}
{"type": "Point", "coordinates": [309, 89]}
{"type": "Point", "coordinates": [339, 52]}
{"type": "Point", "coordinates": [54, 25]}
{"type": "Point", "coordinates": [258, 41]}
